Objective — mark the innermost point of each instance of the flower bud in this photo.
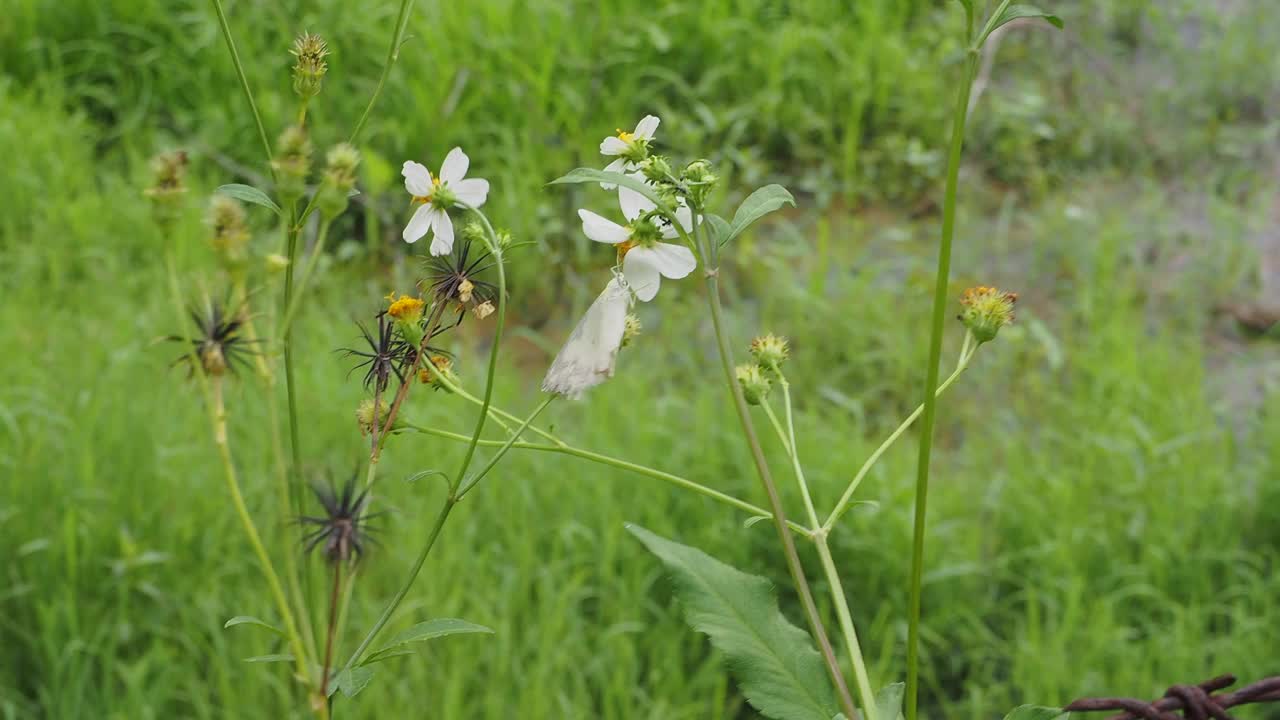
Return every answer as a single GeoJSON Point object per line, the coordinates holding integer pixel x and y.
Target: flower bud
{"type": "Point", "coordinates": [292, 163]}
{"type": "Point", "coordinates": [656, 169]}
{"type": "Point", "coordinates": [631, 329]}
{"type": "Point", "coordinates": [338, 181]}
{"type": "Point", "coordinates": [169, 172]}
{"type": "Point", "coordinates": [700, 181]}
{"type": "Point", "coordinates": [230, 237]}
{"type": "Point", "coordinates": [370, 419]}
{"type": "Point", "coordinates": [755, 385]}
{"type": "Point", "coordinates": [984, 310]}
{"type": "Point", "coordinates": [276, 263]}
{"type": "Point", "coordinates": [310, 67]}
{"type": "Point", "coordinates": [444, 367]}
{"type": "Point", "coordinates": [769, 351]}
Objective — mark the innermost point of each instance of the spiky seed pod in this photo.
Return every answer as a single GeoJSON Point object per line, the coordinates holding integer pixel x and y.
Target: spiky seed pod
{"type": "Point", "coordinates": [310, 66]}
{"type": "Point", "coordinates": [216, 343]}
{"type": "Point", "coordinates": [342, 532]}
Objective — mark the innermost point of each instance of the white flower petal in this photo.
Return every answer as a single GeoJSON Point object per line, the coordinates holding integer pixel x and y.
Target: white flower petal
{"type": "Point", "coordinates": [673, 261]}
{"type": "Point", "coordinates": [472, 191]}
{"type": "Point", "coordinates": [455, 166]}
{"type": "Point", "coordinates": [641, 273]}
{"type": "Point", "coordinates": [612, 145]}
{"type": "Point", "coordinates": [602, 229]}
{"type": "Point", "coordinates": [442, 243]}
{"type": "Point", "coordinates": [420, 224]}
{"type": "Point", "coordinates": [647, 127]}
{"type": "Point", "coordinates": [417, 179]}
{"type": "Point", "coordinates": [633, 203]}
{"type": "Point", "coordinates": [617, 166]}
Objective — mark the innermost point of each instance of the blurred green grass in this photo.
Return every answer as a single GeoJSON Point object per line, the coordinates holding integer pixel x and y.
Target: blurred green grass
{"type": "Point", "coordinates": [1104, 519]}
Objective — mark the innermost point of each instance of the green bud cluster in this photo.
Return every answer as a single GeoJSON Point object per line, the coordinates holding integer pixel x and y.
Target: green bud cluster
{"type": "Point", "coordinates": [338, 181]}
{"type": "Point", "coordinates": [310, 67]}
{"type": "Point", "coordinates": [292, 163]}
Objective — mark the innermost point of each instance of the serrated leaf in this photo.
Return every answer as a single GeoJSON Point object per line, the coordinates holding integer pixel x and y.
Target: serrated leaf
{"type": "Point", "coordinates": [775, 663]}
{"type": "Point", "coordinates": [249, 194]}
{"type": "Point", "coordinates": [352, 681]}
{"type": "Point", "coordinates": [423, 631]}
{"type": "Point", "coordinates": [757, 205]}
{"type": "Point", "coordinates": [250, 620]}
{"type": "Point", "coordinates": [283, 657]}
{"type": "Point", "coordinates": [1034, 712]}
{"type": "Point", "coordinates": [591, 175]}
{"type": "Point", "coordinates": [889, 701]}
{"type": "Point", "coordinates": [1015, 12]}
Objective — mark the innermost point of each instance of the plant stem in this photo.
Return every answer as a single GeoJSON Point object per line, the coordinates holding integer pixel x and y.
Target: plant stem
{"type": "Point", "coordinates": [219, 417]}
{"type": "Point", "coordinates": [931, 382]}
{"type": "Point", "coordinates": [467, 485]}
{"type": "Point", "coordinates": [866, 696]}
{"type": "Point", "coordinates": [286, 336]}
{"type": "Point", "coordinates": [563, 449]}
{"type": "Point", "coordinates": [244, 82]}
{"type": "Point", "coordinates": [393, 52]}
{"type": "Point", "coordinates": [333, 626]}
{"type": "Point", "coordinates": [843, 505]}
{"type": "Point", "coordinates": [775, 502]}
{"type": "Point", "coordinates": [313, 260]}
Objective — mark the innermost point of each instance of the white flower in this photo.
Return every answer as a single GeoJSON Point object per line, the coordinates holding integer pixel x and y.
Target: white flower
{"type": "Point", "coordinates": [628, 148]}
{"type": "Point", "coordinates": [645, 260]}
{"type": "Point", "coordinates": [437, 195]}
{"type": "Point", "coordinates": [588, 356]}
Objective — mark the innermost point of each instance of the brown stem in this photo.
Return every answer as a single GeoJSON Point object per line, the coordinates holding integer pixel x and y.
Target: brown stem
{"type": "Point", "coordinates": [432, 323]}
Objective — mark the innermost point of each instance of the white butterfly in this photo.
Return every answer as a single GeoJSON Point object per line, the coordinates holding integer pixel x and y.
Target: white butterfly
{"type": "Point", "coordinates": [587, 358]}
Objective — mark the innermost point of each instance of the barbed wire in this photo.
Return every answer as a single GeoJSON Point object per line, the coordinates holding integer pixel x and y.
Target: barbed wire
{"type": "Point", "coordinates": [1195, 702]}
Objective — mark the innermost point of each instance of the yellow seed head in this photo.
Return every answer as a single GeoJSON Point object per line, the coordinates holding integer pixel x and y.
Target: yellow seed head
{"type": "Point", "coordinates": [984, 310]}
{"type": "Point", "coordinates": [769, 351]}
{"type": "Point", "coordinates": [405, 309]}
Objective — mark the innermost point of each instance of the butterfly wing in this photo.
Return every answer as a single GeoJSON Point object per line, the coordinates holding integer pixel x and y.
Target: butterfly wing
{"type": "Point", "coordinates": [587, 358]}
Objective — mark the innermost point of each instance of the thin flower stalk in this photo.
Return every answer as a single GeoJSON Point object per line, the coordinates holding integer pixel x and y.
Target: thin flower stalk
{"type": "Point", "coordinates": [312, 261]}
{"type": "Point", "coordinates": [244, 81]}
{"type": "Point", "coordinates": [565, 449]}
{"type": "Point", "coordinates": [966, 355]}
{"type": "Point", "coordinates": [778, 514]}
{"type": "Point", "coordinates": [393, 52]}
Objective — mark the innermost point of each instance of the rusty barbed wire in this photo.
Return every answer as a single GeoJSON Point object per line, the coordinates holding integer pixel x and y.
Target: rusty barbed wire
{"type": "Point", "coordinates": [1196, 702]}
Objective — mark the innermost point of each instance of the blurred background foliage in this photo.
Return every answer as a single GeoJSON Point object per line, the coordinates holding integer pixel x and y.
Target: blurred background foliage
{"type": "Point", "coordinates": [1106, 514]}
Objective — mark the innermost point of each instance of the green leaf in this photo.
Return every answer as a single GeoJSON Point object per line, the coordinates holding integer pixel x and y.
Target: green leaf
{"type": "Point", "coordinates": [270, 658]}
{"type": "Point", "coordinates": [352, 681]}
{"type": "Point", "coordinates": [889, 701]}
{"type": "Point", "coordinates": [1015, 12]}
{"type": "Point", "coordinates": [1034, 712]}
{"type": "Point", "coordinates": [591, 175]}
{"type": "Point", "coordinates": [423, 631]}
{"type": "Point", "coordinates": [250, 620]}
{"type": "Point", "coordinates": [250, 194]}
{"type": "Point", "coordinates": [775, 663]}
{"type": "Point", "coordinates": [757, 205]}
{"type": "Point", "coordinates": [718, 227]}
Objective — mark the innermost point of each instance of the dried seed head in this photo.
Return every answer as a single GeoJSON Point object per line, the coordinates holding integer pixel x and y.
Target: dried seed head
{"type": "Point", "coordinates": [168, 186]}
{"type": "Point", "coordinates": [755, 384]}
{"type": "Point", "coordinates": [342, 530]}
{"type": "Point", "coordinates": [443, 366]}
{"type": "Point", "coordinates": [310, 67]}
{"type": "Point", "coordinates": [483, 310]}
{"type": "Point", "coordinates": [984, 310]}
{"type": "Point", "coordinates": [230, 234]}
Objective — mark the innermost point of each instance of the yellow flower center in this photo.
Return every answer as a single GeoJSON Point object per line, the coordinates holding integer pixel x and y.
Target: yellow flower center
{"type": "Point", "coordinates": [404, 308]}
{"type": "Point", "coordinates": [625, 136]}
{"type": "Point", "coordinates": [435, 185]}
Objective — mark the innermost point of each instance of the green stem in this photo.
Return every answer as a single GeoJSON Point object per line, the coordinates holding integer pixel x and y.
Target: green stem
{"type": "Point", "coordinates": [843, 505]}
{"type": "Point", "coordinates": [393, 52]}
{"type": "Point", "coordinates": [563, 449]}
{"type": "Point", "coordinates": [251, 530]}
{"type": "Point", "coordinates": [467, 485]}
{"type": "Point", "coordinates": [244, 81]}
{"type": "Point", "coordinates": [312, 261]}
{"type": "Point", "coordinates": [866, 696]}
{"type": "Point", "coordinates": [931, 381]}
{"type": "Point", "coordinates": [775, 501]}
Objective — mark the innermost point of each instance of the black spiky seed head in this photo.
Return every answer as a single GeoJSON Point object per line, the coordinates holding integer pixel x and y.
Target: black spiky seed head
{"type": "Point", "coordinates": [453, 280]}
{"type": "Point", "coordinates": [217, 343]}
{"type": "Point", "coordinates": [341, 533]}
